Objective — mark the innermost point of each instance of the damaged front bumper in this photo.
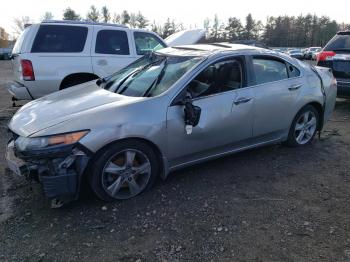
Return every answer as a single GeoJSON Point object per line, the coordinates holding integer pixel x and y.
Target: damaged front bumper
{"type": "Point", "coordinates": [60, 172]}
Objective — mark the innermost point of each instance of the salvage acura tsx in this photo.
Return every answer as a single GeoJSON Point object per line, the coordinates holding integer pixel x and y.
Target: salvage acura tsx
{"type": "Point", "coordinates": [169, 109]}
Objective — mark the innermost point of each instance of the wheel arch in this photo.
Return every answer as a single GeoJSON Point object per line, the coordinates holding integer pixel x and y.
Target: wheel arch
{"type": "Point", "coordinates": [160, 156]}
{"type": "Point", "coordinates": [83, 75]}
{"type": "Point", "coordinates": [320, 110]}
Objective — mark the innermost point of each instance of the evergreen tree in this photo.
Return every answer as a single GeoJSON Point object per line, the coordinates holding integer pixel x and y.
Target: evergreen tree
{"type": "Point", "coordinates": [141, 20]}
{"type": "Point", "coordinates": [93, 15]}
{"type": "Point", "coordinates": [125, 17]}
{"type": "Point", "coordinates": [106, 16]}
{"type": "Point", "coordinates": [70, 14]}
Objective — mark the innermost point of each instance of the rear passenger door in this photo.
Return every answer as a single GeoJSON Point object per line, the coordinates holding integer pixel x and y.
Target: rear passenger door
{"type": "Point", "coordinates": [277, 85]}
{"type": "Point", "coordinates": [111, 50]}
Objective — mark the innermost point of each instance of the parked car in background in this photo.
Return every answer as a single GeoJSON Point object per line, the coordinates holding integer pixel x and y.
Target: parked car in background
{"type": "Point", "coordinates": [55, 55]}
{"type": "Point", "coordinates": [296, 53]}
{"type": "Point", "coordinates": [336, 55]}
{"type": "Point", "coordinates": [315, 54]}
{"type": "Point", "coordinates": [310, 51]}
{"type": "Point", "coordinates": [5, 53]}
{"type": "Point", "coordinates": [174, 108]}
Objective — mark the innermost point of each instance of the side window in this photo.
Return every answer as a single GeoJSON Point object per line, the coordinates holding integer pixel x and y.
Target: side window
{"type": "Point", "coordinates": [113, 42]}
{"type": "Point", "coordinates": [146, 43]}
{"type": "Point", "coordinates": [60, 39]}
{"type": "Point", "coordinates": [269, 70]}
{"type": "Point", "coordinates": [293, 71]}
{"type": "Point", "coordinates": [219, 77]}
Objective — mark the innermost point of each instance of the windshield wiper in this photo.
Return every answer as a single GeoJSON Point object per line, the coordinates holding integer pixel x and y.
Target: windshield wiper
{"type": "Point", "coordinates": [157, 80]}
{"type": "Point", "coordinates": [126, 78]}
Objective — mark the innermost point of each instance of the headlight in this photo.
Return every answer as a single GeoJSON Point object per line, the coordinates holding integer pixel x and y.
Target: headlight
{"type": "Point", "coordinates": [35, 143]}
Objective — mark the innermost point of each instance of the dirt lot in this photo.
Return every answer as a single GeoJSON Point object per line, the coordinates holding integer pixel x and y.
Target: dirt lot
{"type": "Point", "coordinates": [268, 204]}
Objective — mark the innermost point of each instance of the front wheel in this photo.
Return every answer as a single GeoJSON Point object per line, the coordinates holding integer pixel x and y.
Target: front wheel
{"type": "Point", "coordinates": [124, 170]}
{"type": "Point", "coordinates": [304, 127]}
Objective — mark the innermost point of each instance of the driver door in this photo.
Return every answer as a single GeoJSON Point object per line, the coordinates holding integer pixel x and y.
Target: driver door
{"type": "Point", "coordinates": [226, 115]}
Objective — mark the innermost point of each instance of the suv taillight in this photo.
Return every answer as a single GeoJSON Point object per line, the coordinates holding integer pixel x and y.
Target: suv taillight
{"type": "Point", "coordinates": [325, 56]}
{"type": "Point", "coordinates": [27, 70]}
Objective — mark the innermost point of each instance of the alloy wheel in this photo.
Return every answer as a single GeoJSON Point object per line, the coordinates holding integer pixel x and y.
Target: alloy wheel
{"type": "Point", "coordinates": [126, 174]}
{"type": "Point", "coordinates": [305, 127]}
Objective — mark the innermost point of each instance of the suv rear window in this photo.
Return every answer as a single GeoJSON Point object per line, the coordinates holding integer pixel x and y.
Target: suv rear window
{"type": "Point", "coordinates": [339, 42]}
{"type": "Point", "coordinates": [18, 46]}
{"type": "Point", "coordinates": [60, 39]}
{"type": "Point", "coordinates": [114, 42]}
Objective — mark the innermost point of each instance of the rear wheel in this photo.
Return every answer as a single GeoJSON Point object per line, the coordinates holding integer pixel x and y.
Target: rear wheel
{"type": "Point", "coordinates": [124, 170]}
{"type": "Point", "coordinates": [304, 127]}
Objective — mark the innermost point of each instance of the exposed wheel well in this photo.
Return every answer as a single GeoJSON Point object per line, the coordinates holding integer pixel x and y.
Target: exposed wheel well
{"type": "Point", "coordinates": [319, 109]}
{"type": "Point", "coordinates": [77, 78]}
{"type": "Point", "coordinates": [147, 142]}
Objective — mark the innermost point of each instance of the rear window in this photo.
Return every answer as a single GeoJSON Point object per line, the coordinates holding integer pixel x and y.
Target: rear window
{"type": "Point", "coordinates": [269, 70]}
{"type": "Point", "coordinates": [18, 46]}
{"type": "Point", "coordinates": [338, 42]}
{"type": "Point", "coordinates": [113, 42]}
{"type": "Point", "coordinates": [60, 39]}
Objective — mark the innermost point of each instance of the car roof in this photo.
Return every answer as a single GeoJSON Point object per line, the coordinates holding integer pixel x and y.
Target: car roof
{"type": "Point", "coordinates": [74, 22]}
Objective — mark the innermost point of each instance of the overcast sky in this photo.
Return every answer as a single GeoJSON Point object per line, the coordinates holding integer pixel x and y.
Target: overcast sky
{"type": "Point", "coordinates": [190, 13]}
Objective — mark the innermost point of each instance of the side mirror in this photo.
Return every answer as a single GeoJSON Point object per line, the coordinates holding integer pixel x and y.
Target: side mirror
{"type": "Point", "coordinates": [192, 113]}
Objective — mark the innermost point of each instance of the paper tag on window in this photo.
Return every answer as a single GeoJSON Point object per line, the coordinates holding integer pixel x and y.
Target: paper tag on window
{"type": "Point", "coordinates": [189, 129]}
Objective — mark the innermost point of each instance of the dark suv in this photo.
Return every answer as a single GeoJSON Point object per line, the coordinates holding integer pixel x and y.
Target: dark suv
{"type": "Point", "coordinates": [336, 55]}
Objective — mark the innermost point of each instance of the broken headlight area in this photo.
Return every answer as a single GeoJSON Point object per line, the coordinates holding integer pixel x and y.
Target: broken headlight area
{"type": "Point", "coordinates": [57, 162]}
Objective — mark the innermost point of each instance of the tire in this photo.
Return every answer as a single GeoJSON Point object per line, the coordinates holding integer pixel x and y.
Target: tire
{"type": "Point", "coordinates": [300, 124]}
{"type": "Point", "coordinates": [124, 170]}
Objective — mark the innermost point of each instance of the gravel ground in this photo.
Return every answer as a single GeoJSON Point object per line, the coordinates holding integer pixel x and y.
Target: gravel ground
{"type": "Point", "coordinates": [268, 204]}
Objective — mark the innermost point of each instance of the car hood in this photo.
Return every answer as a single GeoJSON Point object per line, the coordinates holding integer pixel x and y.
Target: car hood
{"type": "Point", "coordinates": [185, 37]}
{"type": "Point", "coordinates": [62, 106]}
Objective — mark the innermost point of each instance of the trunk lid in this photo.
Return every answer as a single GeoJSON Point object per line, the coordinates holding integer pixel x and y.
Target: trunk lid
{"type": "Point", "coordinates": [185, 37]}
{"type": "Point", "coordinates": [330, 90]}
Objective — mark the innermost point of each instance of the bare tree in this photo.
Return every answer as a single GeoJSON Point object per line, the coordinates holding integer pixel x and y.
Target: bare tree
{"type": "Point", "coordinates": [20, 24]}
{"type": "Point", "coordinates": [116, 18]}
{"type": "Point", "coordinates": [47, 16]}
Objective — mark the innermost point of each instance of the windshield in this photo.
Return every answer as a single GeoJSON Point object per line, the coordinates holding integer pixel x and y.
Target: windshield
{"type": "Point", "coordinates": [150, 75]}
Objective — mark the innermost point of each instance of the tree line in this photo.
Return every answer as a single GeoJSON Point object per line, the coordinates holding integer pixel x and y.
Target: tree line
{"type": "Point", "coordinates": [287, 31]}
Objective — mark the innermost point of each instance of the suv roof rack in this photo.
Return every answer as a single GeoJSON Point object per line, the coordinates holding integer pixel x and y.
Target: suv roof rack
{"type": "Point", "coordinates": [80, 23]}
{"type": "Point", "coordinates": [347, 32]}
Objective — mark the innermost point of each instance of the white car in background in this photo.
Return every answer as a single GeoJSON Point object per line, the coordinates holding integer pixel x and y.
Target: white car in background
{"type": "Point", "coordinates": [54, 55]}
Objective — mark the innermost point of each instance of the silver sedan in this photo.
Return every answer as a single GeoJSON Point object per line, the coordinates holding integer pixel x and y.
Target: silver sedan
{"type": "Point", "coordinates": [169, 109]}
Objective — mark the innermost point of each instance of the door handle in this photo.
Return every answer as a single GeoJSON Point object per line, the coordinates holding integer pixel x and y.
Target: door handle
{"type": "Point", "coordinates": [294, 87]}
{"type": "Point", "coordinates": [242, 100]}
